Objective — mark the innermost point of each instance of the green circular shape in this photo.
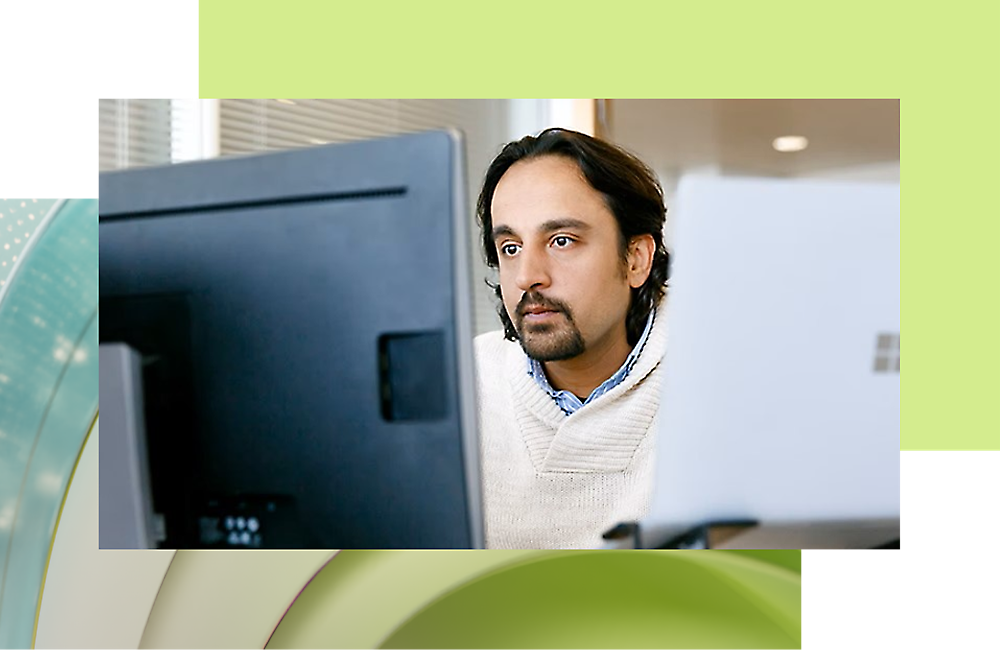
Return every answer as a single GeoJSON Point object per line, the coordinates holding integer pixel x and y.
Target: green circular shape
{"type": "Point", "coordinates": [615, 600]}
{"type": "Point", "coordinates": [360, 597]}
{"type": "Point", "coordinates": [475, 599]}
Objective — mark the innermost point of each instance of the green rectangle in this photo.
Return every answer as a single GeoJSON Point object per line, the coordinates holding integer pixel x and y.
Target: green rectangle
{"type": "Point", "coordinates": [939, 59]}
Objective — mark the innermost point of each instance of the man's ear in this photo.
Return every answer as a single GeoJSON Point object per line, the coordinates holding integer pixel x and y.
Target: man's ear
{"type": "Point", "coordinates": [640, 259]}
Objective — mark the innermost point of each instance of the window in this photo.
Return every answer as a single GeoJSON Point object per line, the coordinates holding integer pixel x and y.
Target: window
{"type": "Point", "coordinates": [134, 132]}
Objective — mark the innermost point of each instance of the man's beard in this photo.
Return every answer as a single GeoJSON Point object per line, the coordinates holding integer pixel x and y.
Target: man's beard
{"type": "Point", "coordinates": [556, 339]}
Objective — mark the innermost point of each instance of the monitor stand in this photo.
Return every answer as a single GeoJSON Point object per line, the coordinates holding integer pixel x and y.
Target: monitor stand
{"type": "Point", "coordinates": [127, 519]}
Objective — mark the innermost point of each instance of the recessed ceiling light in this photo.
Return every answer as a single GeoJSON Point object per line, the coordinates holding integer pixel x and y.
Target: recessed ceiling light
{"type": "Point", "coordinates": [788, 143]}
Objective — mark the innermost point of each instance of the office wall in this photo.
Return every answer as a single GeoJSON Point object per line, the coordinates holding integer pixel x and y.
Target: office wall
{"type": "Point", "coordinates": [880, 172]}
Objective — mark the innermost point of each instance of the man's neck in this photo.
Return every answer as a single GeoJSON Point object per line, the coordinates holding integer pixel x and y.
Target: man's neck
{"type": "Point", "coordinates": [582, 374]}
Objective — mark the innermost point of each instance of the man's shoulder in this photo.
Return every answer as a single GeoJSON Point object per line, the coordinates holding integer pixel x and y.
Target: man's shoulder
{"type": "Point", "coordinates": [493, 359]}
{"type": "Point", "coordinates": [490, 345]}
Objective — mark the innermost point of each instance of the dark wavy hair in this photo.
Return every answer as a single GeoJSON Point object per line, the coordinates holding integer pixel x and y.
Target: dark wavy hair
{"type": "Point", "coordinates": [631, 192]}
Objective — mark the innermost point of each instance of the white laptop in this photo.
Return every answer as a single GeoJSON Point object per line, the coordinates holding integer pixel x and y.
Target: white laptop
{"type": "Point", "coordinates": [779, 425]}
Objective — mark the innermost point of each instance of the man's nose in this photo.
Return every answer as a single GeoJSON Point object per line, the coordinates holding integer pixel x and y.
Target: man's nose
{"type": "Point", "coordinates": [532, 271]}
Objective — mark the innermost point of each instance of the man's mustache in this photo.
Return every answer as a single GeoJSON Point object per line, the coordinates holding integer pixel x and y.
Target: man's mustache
{"type": "Point", "coordinates": [535, 300]}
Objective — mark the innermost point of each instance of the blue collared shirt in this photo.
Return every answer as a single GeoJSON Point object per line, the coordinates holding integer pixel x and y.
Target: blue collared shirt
{"type": "Point", "coordinates": [570, 403]}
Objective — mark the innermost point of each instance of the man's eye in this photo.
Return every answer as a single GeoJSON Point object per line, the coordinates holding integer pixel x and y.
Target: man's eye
{"type": "Point", "coordinates": [562, 241]}
{"type": "Point", "coordinates": [509, 249]}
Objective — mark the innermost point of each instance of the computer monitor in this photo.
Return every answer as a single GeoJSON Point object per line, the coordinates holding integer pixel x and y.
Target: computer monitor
{"type": "Point", "coordinates": [303, 322]}
{"type": "Point", "coordinates": [779, 424]}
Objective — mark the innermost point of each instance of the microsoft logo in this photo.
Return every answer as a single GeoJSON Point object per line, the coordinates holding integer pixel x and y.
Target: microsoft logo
{"type": "Point", "coordinates": [887, 353]}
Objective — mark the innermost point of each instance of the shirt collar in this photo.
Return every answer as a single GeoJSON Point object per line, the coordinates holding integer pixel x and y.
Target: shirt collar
{"type": "Point", "coordinates": [570, 403]}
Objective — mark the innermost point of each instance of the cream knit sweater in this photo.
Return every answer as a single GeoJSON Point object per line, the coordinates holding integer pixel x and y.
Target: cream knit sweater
{"type": "Point", "coordinates": [557, 481]}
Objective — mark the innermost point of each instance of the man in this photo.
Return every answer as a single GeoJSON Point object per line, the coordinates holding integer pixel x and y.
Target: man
{"type": "Point", "coordinates": [569, 391]}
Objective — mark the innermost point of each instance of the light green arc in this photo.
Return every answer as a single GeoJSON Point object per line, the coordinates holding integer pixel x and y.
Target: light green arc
{"type": "Point", "coordinates": [543, 599]}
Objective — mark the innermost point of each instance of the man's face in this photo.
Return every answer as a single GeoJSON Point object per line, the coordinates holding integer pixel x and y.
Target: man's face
{"type": "Point", "coordinates": [564, 284]}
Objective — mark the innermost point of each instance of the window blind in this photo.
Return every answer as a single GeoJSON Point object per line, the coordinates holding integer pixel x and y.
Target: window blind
{"type": "Point", "coordinates": [260, 124]}
{"type": "Point", "coordinates": [134, 132]}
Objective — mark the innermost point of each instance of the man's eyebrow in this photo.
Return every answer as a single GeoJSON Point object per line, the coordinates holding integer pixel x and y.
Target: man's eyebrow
{"type": "Point", "coordinates": [559, 224]}
{"type": "Point", "coordinates": [501, 231]}
{"type": "Point", "coordinates": [548, 226]}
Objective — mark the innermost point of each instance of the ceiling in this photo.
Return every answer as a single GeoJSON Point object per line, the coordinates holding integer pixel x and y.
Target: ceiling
{"type": "Point", "coordinates": [734, 136]}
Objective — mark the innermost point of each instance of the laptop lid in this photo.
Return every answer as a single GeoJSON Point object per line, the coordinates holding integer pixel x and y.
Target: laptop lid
{"type": "Point", "coordinates": [781, 386]}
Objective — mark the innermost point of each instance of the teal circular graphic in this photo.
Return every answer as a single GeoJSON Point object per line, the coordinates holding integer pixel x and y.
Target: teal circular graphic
{"type": "Point", "coordinates": [48, 388]}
